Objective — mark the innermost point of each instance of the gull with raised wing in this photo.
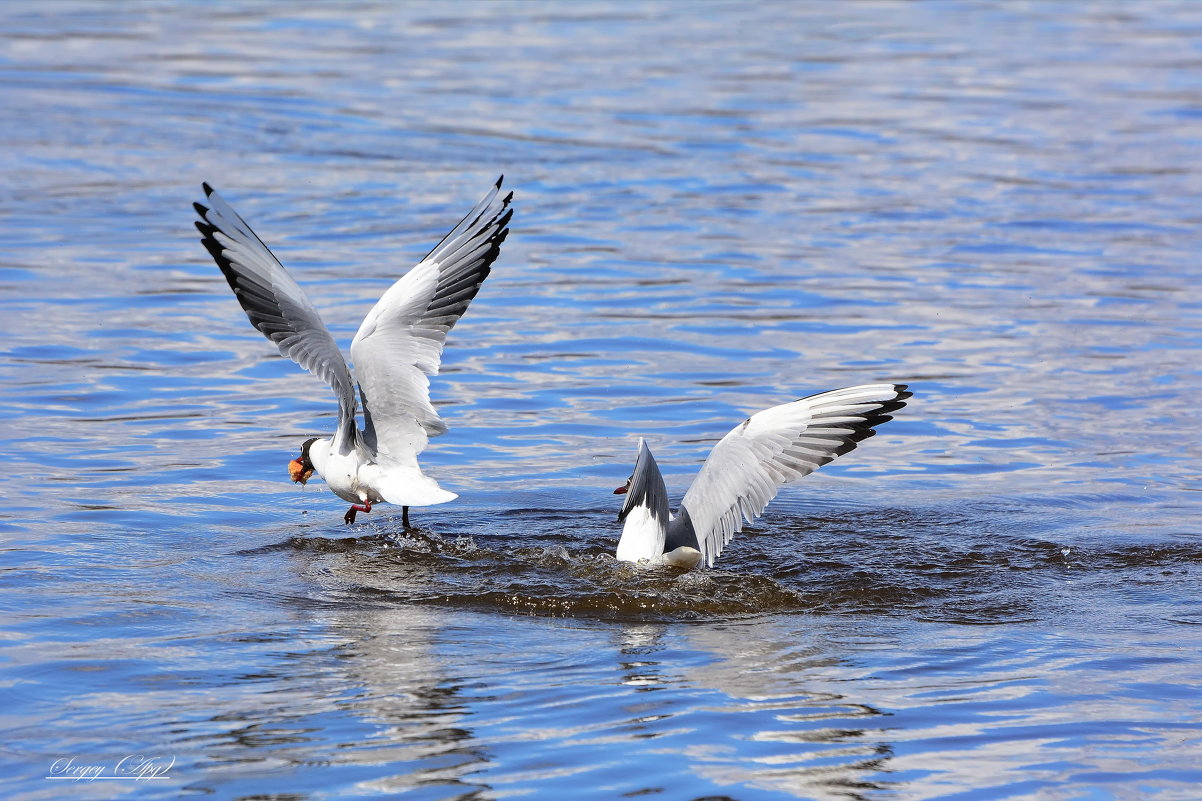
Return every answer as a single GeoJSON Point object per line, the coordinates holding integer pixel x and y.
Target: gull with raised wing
{"type": "Point", "coordinates": [398, 346]}
{"type": "Point", "coordinates": [744, 472]}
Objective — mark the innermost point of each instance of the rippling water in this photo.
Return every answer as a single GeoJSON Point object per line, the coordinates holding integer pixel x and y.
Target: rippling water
{"type": "Point", "coordinates": [720, 207]}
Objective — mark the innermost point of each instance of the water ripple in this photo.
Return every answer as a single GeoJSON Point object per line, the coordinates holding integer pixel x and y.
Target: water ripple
{"type": "Point", "coordinates": [720, 207]}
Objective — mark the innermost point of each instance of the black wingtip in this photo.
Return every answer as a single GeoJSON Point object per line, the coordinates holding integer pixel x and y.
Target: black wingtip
{"type": "Point", "coordinates": [201, 209]}
{"type": "Point", "coordinates": [205, 186]}
{"type": "Point", "coordinates": [499, 180]}
{"type": "Point", "coordinates": [503, 220]}
{"type": "Point", "coordinates": [889, 407]}
{"type": "Point", "coordinates": [852, 442]}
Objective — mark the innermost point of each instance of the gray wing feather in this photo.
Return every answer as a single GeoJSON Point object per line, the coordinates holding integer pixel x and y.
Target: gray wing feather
{"type": "Point", "coordinates": [400, 342]}
{"type": "Point", "coordinates": [747, 467]}
{"type": "Point", "coordinates": [646, 487]}
{"type": "Point", "coordinates": [274, 302]}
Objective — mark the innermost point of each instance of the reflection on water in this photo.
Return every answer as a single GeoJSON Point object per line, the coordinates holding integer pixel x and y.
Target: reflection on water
{"type": "Point", "coordinates": [722, 207]}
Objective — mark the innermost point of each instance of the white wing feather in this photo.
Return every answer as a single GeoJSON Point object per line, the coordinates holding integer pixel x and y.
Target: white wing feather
{"type": "Point", "coordinates": [274, 302]}
{"type": "Point", "coordinates": [399, 345]}
{"type": "Point", "coordinates": [748, 466]}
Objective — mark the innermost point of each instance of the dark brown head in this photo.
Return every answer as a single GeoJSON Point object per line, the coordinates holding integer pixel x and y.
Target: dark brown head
{"type": "Point", "coordinates": [301, 468]}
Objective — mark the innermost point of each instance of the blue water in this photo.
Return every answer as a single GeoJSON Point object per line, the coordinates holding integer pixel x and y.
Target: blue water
{"type": "Point", "coordinates": [719, 207]}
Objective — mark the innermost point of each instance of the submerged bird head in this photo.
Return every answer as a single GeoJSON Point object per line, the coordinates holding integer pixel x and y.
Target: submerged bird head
{"type": "Point", "coordinates": [301, 468]}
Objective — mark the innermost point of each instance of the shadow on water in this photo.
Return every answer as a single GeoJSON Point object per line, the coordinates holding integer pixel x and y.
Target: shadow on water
{"type": "Point", "coordinates": [959, 565]}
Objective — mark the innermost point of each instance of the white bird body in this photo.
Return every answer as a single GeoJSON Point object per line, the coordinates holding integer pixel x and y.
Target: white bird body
{"type": "Point", "coordinates": [743, 473]}
{"type": "Point", "coordinates": [642, 531]}
{"type": "Point", "coordinates": [356, 477]}
{"type": "Point", "coordinates": [683, 557]}
{"type": "Point", "coordinates": [645, 534]}
{"type": "Point", "coordinates": [398, 346]}
{"type": "Point", "coordinates": [643, 537]}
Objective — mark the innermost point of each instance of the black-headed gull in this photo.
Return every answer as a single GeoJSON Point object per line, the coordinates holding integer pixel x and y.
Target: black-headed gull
{"type": "Point", "coordinates": [743, 473]}
{"type": "Point", "coordinates": [398, 346]}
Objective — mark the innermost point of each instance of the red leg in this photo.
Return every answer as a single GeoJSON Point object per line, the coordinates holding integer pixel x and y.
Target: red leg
{"type": "Point", "coordinates": [349, 517]}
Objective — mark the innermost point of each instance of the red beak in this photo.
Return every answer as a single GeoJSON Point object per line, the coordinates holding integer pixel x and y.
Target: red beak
{"type": "Point", "coordinates": [622, 489]}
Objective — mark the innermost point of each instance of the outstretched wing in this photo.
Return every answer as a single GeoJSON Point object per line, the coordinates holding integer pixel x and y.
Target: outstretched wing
{"type": "Point", "coordinates": [274, 302]}
{"type": "Point", "coordinates": [747, 467]}
{"type": "Point", "coordinates": [400, 342]}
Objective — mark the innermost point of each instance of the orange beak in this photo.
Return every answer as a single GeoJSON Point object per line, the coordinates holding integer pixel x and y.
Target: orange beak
{"type": "Point", "coordinates": [298, 473]}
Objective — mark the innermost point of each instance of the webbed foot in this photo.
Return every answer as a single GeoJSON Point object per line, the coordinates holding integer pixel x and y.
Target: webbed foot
{"type": "Point", "coordinates": [349, 517]}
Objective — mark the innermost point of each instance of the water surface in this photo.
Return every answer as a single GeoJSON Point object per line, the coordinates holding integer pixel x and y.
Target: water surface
{"type": "Point", "coordinates": [720, 207]}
